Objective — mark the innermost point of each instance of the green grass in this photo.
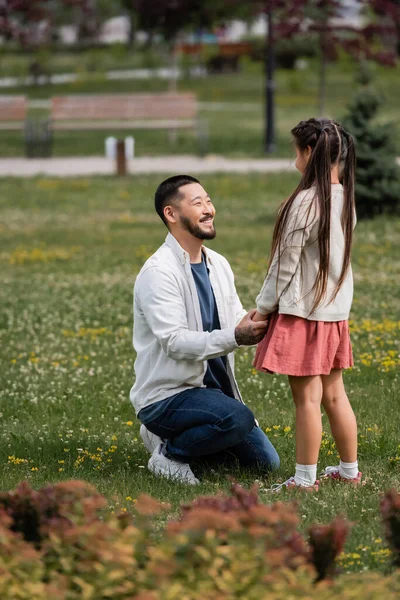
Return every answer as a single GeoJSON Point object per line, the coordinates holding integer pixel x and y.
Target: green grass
{"type": "Point", "coordinates": [237, 128]}
{"type": "Point", "coordinates": [80, 61]}
{"type": "Point", "coordinates": [69, 253]}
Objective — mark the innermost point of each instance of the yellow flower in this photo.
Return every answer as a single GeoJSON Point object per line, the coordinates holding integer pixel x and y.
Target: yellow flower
{"type": "Point", "coordinates": [130, 423]}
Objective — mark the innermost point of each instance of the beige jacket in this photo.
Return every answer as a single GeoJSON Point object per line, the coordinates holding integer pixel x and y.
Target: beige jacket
{"type": "Point", "coordinates": [172, 348]}
{"type": "Point", "coordinates": [289, 292]}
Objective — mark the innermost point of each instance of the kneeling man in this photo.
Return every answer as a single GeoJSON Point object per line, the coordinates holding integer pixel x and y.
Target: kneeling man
{"type": "Point", "coordinates": [188, 320]}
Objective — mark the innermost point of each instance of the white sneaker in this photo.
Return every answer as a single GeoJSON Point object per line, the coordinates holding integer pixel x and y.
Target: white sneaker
{"type": "Point", "coordinates": [334, 473]}
{"type": "Point", "coordinates": [171, 469]}
{"type": "Point", "coordinates": [150, 440]}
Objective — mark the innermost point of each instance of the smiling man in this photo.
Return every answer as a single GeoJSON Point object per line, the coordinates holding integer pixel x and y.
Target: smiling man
{"type": "Point", "coordinates": [188, 320]}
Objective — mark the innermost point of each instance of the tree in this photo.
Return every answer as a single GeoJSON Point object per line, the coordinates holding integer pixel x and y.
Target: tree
{"type": "Point", "coordinates": [86, 18]}
{"type": "Point", "coordinates": [388, 14]}
{"type": "Point", "coordinates": [170, 18]}
{"type": "Point", "coordinates": [325, 20]}
{"type": "Point", "coordinates": [34, 22]}
{"type": "Point", "coordinates": [22, 20]}
{"type": "Point", "coordinates": [377, 173]}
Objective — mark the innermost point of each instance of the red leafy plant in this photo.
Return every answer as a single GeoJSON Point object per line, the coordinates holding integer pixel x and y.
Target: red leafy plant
{"type": "Point", "coordinates": [326, 543]}
{"type": "Point", "coordinates": [274, 527]}
{"type": "Point", "coordinates": [225, 546]}
{"type": "Point", "coordinates": [390, 511]}
{"type": "Point", "coordinates": [34, 513]}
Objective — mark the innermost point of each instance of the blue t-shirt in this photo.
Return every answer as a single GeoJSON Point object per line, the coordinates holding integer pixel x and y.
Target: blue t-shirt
{"type": "Point", "coordinates": [216, 374]}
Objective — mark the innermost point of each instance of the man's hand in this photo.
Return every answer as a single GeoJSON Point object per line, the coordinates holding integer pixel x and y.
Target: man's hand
{"type": "Point", "coordinates": [250, 332]}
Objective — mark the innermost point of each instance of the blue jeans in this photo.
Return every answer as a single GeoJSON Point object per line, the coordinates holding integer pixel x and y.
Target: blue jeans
{"type": "Point", "coordinates": [204, 422]}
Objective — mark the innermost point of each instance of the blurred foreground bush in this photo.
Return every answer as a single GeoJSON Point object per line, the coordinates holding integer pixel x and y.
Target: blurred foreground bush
{"type": "Point", "coordinates": [61, 543]}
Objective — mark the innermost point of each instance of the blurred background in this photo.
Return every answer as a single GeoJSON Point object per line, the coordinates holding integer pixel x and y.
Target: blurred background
{"type": "Point", "coordinates": [255, 68]}
{"type": "Point", "coordinates": [201, 77]}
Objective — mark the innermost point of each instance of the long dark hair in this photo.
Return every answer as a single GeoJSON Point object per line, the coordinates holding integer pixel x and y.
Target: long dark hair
{"type": "Point", "coordinates": [330, 145]}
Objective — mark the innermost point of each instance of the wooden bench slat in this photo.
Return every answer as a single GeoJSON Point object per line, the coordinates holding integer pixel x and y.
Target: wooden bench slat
{"type": "Point", "coordinates": [124, 107]}
{"type": "Point", "coordinates": [12, 108]}
{"type": "Point", "coordinates": [89, 125]}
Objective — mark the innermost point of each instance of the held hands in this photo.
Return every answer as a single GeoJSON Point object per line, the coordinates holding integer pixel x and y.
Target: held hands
{"type": "Point", "coordinates": [258, 317]}
{"type": "Point", "coordinates": [249, 331]}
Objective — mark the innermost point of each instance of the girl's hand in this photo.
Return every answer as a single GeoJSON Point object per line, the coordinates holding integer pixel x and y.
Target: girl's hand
{"type": "Point", "coordinates": [259, 317]}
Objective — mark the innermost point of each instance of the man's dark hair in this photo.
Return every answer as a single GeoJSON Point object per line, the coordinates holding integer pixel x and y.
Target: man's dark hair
{"type": "Point", "coordinates": [168, 191]}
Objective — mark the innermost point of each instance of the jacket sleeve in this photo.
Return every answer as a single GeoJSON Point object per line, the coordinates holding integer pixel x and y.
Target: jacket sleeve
{"type": "Point", "coordinates": [295, 236]}
{"type": "Point", "coordinates": [240, 312]}
{"type": "Point", "coordinates": [158, 296]}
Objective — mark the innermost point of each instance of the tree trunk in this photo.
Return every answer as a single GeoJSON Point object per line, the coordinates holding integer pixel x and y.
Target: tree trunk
{"type": "Point", "coordinates": [132, 30]}
{"type": "Point", "coordinates": [150, 40]}
{"type": "Point", "coordinates": [174, 62]}
{"type": "Point", "coordinates": [322, 76]}
{"type": "Point", "coordinates": [269, 66]}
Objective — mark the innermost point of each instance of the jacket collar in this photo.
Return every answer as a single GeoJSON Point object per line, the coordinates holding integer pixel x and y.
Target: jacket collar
{"type": "Point", "coordinates": [181, 253]}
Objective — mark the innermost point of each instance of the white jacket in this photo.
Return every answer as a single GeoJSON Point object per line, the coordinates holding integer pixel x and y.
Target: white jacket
{"type": "Point", "coordinates": [289, 292]}
{"type": "Point", "coordinates": [172, 348]}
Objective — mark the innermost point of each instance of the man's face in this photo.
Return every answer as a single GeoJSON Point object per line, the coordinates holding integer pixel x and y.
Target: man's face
{"type": "Point", "coordinates": [195, 212]}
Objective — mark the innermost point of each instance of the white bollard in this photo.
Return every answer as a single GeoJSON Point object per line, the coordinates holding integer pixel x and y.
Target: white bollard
{"type": "Point", "coordinates": [129, 147]}
{"type": "Point", "coordinates": [111, 147]}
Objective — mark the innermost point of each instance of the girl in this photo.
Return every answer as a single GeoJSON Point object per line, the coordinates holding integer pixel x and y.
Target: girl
{"type": "Point", "coordinates": [307, 296]}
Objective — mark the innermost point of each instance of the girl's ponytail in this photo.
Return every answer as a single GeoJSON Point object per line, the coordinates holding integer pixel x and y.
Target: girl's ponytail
{"type": "Point", "coordinates": [348, 166]}
{"type": "Point", "coordinates": [319, 167]}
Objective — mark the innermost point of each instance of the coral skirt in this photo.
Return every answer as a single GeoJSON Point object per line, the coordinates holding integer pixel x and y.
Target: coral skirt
{"type": "Point", "coordinates": [299, 347]}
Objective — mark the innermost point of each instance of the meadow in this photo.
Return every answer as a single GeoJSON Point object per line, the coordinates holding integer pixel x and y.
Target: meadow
{"type": "Point", "coordinates": [232, 105]}
{"type": "Point", "coordinates": [69, 254]}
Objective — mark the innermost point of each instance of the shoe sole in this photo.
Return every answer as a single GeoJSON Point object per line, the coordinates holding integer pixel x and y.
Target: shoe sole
{"type": "Point", "coordinates": [303, 488]}
{"type": "Point", "coordinates": [355, 481]}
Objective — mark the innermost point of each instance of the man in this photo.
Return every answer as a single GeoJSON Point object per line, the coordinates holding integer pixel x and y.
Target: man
{"type": "Point", "coordinates": [188, 320]}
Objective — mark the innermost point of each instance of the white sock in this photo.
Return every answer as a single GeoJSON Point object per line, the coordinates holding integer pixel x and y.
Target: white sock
{"type": "Point", "coordinates": [305, 474]}
{"type": "Point", "coordinates": [348, 470]}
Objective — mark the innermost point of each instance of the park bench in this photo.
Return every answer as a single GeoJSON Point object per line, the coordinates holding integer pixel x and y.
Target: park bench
{"type": "Point", "coordinates": [13, 117]}
{"type": "Point", "coordinates": [170, 111]}
{"type": "Point", "coordinates": [12, 112]}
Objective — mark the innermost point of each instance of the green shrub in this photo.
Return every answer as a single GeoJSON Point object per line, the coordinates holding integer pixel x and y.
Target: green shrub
{"type": "Point", "coordinates": [377, 173]}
